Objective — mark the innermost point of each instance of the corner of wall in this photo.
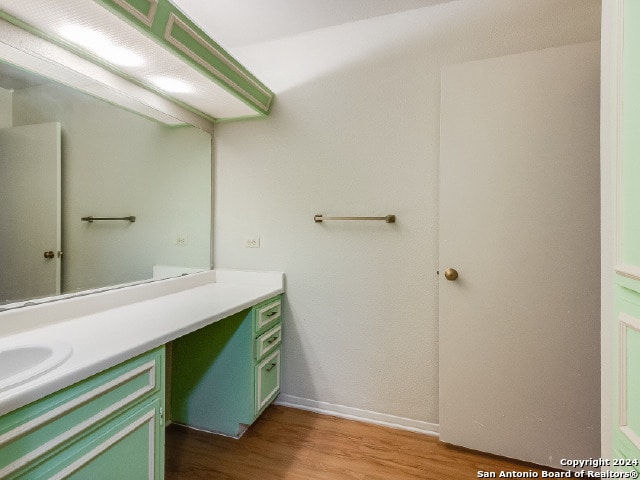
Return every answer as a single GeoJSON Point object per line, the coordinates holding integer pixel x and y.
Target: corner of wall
{"type": "Point", "coordinates": [6, 108]}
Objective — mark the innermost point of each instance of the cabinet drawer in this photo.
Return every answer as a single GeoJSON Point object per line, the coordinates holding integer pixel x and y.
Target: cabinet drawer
{"type": "Point", "coordinates": [44, 427]}
{"type": "Point", "coordinates": [267, 380]}
{"type": "Point", "coordinates": [125, 448]}
{"type": "Point", "coordinates": [267, 315]}
{"type": "Point", "coordinates": [268, 341]}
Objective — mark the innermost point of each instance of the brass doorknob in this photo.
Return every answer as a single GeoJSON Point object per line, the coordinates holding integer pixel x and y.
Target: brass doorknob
{"type": "Point", "coordinates": [49, 254]}
{"type": "Point", "coordinates": [451, 274]}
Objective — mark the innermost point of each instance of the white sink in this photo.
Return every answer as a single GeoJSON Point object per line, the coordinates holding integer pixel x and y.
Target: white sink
{"type": "Point", "coordinates": [21, 363]}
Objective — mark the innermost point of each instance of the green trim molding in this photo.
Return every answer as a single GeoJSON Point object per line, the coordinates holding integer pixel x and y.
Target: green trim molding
{"type": "Point", "coordinates": [626, 288]}
{"type": "Point", "coordinates": [168, 26]}
{"type": "Point", "coordinates": [173, 31]}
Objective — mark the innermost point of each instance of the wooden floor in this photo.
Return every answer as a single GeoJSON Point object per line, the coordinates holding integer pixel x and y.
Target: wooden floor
{"type": "Point", "coordinates": [293, 444]}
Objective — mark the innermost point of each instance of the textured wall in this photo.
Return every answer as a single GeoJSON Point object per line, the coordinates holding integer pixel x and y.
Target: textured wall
{"type": "Point", "coordinates": [355, 131]}
{"type": "Point", "coordinates": [6, 109]}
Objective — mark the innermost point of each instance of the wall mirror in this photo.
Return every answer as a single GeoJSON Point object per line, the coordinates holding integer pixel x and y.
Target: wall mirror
{"type": "Point", "coordinates": [85, 132]}
{"type": "Point", "coordinates": [66, 155]}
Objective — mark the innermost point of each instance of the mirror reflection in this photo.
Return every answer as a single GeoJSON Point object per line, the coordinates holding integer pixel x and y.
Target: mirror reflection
{"type": "Point", "coordinates": [65, 155]}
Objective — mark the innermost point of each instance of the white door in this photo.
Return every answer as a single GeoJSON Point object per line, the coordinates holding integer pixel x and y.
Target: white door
{"type": "Point", "coordinates": [519, 221]}
{"type": "Point", "coordinates": [30, 175]}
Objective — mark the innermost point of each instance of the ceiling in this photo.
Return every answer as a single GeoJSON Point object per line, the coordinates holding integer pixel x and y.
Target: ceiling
{"type": "Point", "coordinates": [234, 23]}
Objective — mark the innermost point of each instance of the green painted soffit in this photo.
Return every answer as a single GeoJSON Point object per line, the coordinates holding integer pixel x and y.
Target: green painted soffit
{"type": "Point", "coordinates": [169, 27]}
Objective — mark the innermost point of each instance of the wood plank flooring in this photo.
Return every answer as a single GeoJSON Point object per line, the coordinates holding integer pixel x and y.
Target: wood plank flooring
{"type": "Point", "coordinates": [291, 444]}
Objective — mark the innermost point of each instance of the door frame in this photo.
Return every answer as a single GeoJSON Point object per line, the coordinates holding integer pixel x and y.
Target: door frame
{"type": "Point", "coordinates": [610, 162]}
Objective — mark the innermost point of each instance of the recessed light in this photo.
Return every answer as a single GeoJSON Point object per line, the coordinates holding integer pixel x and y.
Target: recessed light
{"type": "Point", "coordinates": [171, 85]}
{"type": "Point", "coordinates": [99, 44]}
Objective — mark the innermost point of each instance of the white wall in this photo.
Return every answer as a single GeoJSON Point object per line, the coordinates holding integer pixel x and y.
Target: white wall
{"type": "Point", "coordinates": [355, 131]}
{"type": "Point", "coordinates": [116, 163]}
{"type": "Point", "coordinates": [6, 108]}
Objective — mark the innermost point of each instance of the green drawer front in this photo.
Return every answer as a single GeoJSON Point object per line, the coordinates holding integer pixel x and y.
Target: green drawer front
{"type": "Point", "coordinates": [267, 380]}
{"type": "Point", "coordinates": [35, 432]}
{"type": "Point", "coordinates": [124, 448]}
{"type": "Point", "coordinates": [267, 342]}
{"type": "Point", "coordinates": [267, 314]}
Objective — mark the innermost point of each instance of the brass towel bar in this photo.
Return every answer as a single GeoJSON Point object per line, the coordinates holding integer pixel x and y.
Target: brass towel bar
{"type": "Point", "coordinates": [130, 218]}
{"type": "Point", "coordinates": [388, 218]}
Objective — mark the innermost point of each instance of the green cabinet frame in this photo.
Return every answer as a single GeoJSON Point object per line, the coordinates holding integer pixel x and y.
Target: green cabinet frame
{"type": "Point", "coordinates": [111, 422]}
{"type": "Point", "coordinates": [626, 280]}
{"type": "Point", "coordinates": [224, 375]}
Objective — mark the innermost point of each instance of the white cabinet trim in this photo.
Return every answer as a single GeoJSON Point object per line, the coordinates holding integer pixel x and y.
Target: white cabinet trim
{"type": "Point", "coordinates": [626, 322]}
{"type": "Point", "coordinates": [149, 418]}
{"type": "Point", "coordinates": [148, 368]}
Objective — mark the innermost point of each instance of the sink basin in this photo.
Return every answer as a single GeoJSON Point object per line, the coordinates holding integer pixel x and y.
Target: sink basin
{"type": "Point", "coordinates": [21, 363]}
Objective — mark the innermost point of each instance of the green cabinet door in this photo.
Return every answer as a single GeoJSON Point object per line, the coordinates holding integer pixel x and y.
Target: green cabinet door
{"type": "Point", "coordinates": [127, 451]}
{"type": "Point", "coordinates": [626, 438]}
{"type": "Point", "coordinates": [107, 426]}
{"type": "Point", "coordinates": [124, 448]}
{"type": "Point", "coordinates": [267, 380]}
{"type": "Point", "coordinates": [626, 291]}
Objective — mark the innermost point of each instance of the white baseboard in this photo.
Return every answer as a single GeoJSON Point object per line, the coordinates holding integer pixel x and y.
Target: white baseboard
{"type": "Point", "coordinates": [351, 413]}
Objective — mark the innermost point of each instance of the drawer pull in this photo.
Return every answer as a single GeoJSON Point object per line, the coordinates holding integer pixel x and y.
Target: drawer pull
{"type": "Point", "coordinates": [270, 367]}
{"type": "Point", "coordinates": [271, 314]}
{"type": "Point", "coordinates": [272, 339]}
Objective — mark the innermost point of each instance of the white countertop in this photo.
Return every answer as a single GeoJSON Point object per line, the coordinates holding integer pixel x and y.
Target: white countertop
{"type": "Point", "coordinates": [109, 328]}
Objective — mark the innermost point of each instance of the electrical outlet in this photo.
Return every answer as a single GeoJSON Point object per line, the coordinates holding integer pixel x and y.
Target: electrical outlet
{"type": "Point", "coordinates": [252, 242]}
{"type": "Point", "coordinates": [181, 240]}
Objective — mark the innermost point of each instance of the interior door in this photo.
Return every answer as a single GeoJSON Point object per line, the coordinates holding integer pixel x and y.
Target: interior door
{"type": "Point", "coordinates": [519, 222]}
{"type": "Point", "coordinates": [30, 217]}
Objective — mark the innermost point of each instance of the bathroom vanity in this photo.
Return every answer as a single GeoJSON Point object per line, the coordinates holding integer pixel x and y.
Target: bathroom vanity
{"type": "Point", "coordinates": [84, 380]}
{"type": "Point", "coordinates": [112, 422]}
{"type": "Point", "coordinates": [104, 406]}
{"type": "Point", "coordinates": [225, 375]}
